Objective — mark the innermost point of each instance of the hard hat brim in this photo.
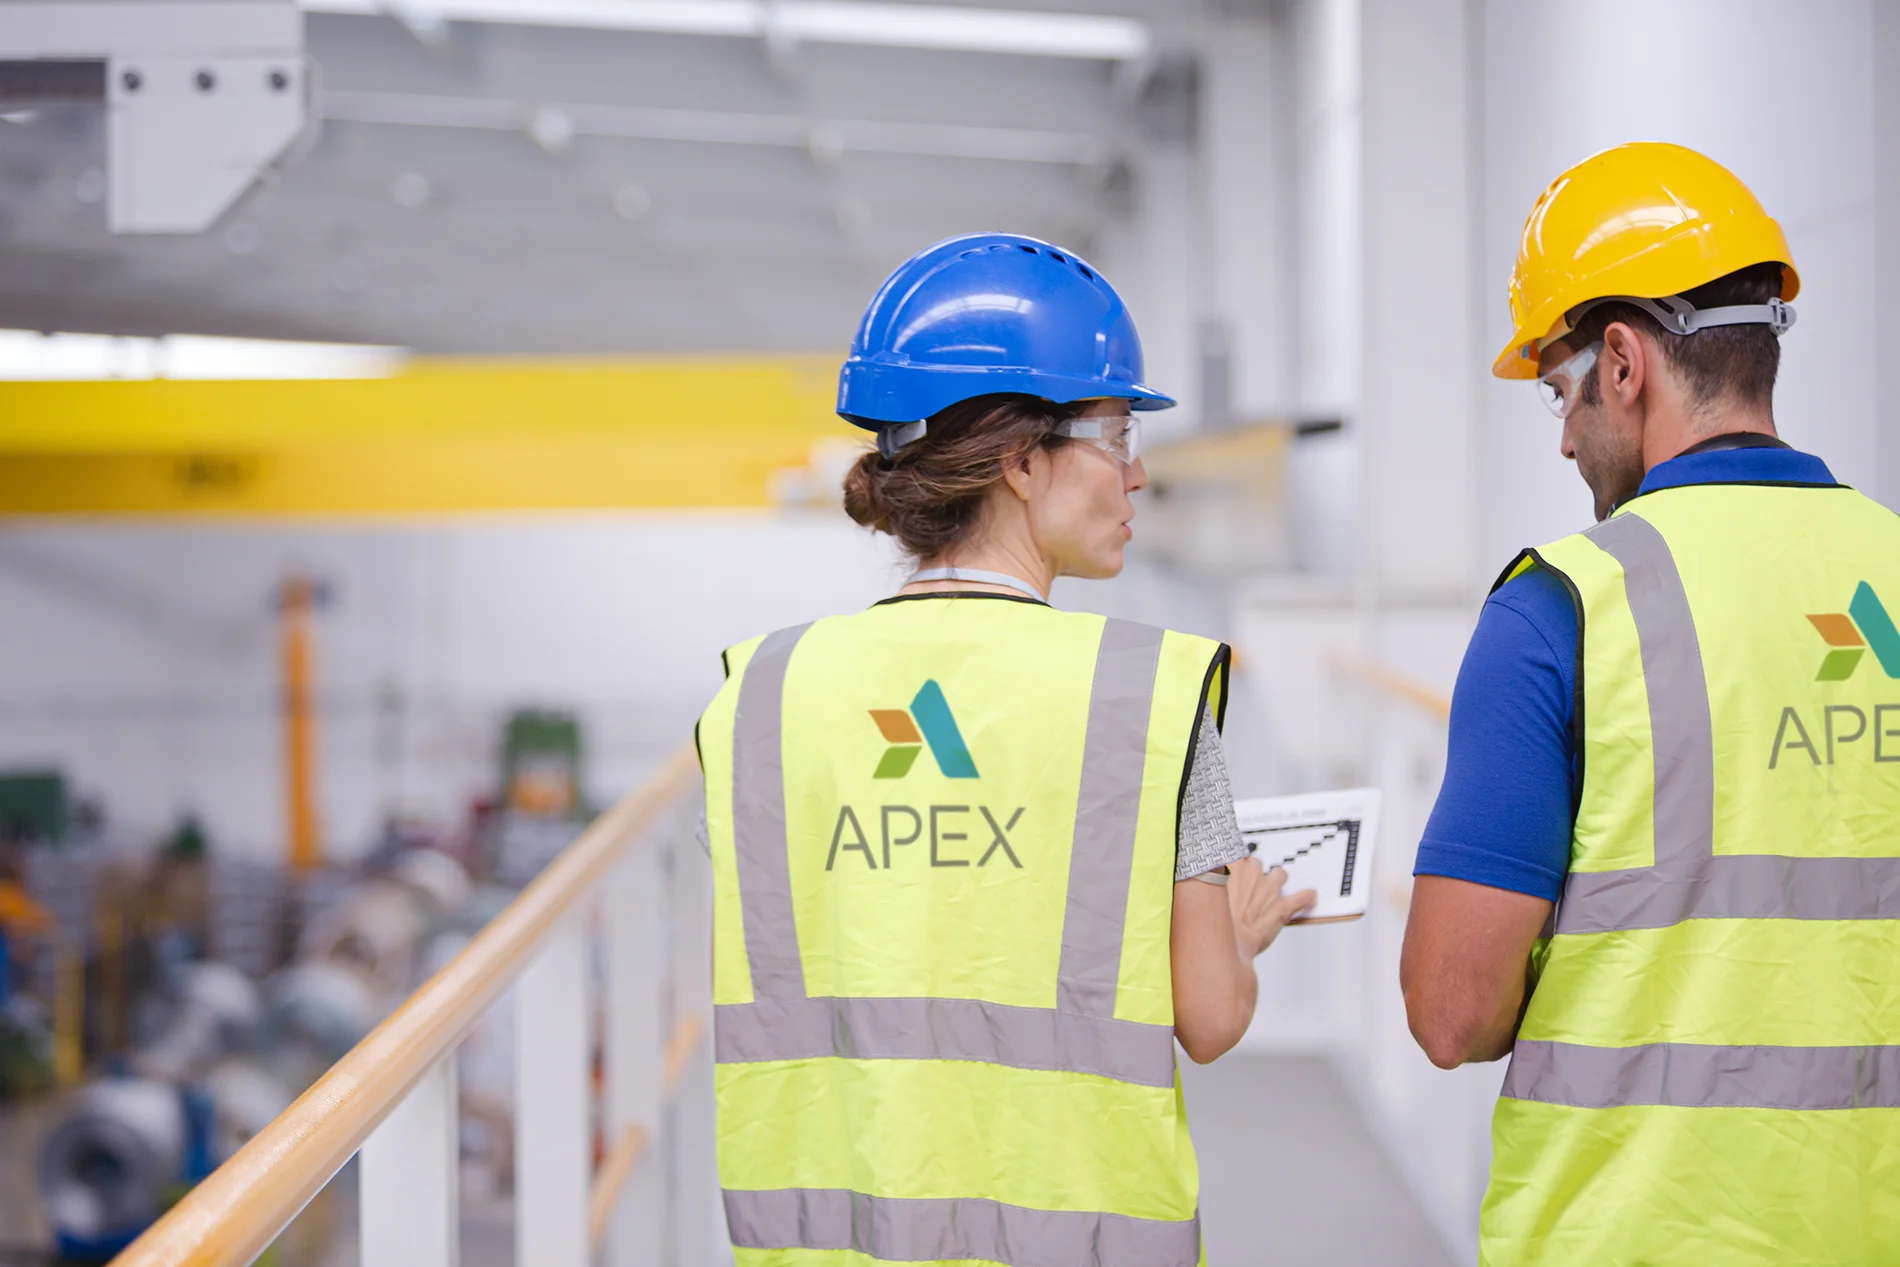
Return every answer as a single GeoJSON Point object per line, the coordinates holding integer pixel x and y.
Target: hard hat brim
{"type": "Point", "coordinates": [884, 399]}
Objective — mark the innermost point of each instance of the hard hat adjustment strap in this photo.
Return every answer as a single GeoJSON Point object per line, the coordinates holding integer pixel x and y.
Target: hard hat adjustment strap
{"type": "Point", "coordinates": [1678, 316]}
{"type": "Point", "coordinates": [894, 437]}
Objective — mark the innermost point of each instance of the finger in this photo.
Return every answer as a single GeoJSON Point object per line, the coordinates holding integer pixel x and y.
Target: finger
{"type": "Point", "coordinates": [1275, 881]}
{"type": "Point", "coordinates": [1297, 902]}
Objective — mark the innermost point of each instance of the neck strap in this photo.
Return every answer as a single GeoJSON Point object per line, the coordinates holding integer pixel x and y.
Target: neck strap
{"type": "Point", "coordinates": [980, 577]}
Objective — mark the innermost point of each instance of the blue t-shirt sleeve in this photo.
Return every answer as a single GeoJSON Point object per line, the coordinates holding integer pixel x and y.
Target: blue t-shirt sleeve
{"type": "Point", "coordinates": [1505, 812]}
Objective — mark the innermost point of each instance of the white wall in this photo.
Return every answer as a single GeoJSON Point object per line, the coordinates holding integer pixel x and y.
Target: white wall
{"type": "Point", "coordinates": [1780, 93]}
{"type": "Point", "coordinates": [143, 658]}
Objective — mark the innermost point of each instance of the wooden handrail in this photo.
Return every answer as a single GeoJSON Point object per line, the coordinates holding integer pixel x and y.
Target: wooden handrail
{"type": "Point", "coordinates": [685, 1038]}
{"type": "Point", "coordinates": [1433, 702]}
{"type": "Point", "coordinates": [617, 1167]}
{"type": "Point", "coordinates": [227, 1220]}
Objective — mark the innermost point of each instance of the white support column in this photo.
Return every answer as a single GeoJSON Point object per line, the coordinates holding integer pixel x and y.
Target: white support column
{"type": "Point", "coordinates": [1421, 355]}
{"type": "Point", "coordinates": [410, 1179]}
{"type": "Point", "coordinates": [553, 1161]}
{"type": "Point", "coordinates": [1246, 160]}
{"type": "Point", "coordinates": [1886, 129]}
{"type": "Point", "coordinates": [633, 923]}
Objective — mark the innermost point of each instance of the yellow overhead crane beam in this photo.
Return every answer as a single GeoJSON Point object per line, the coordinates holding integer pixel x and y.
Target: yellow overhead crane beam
{"type": "Point", "coordinates": [441, 436]}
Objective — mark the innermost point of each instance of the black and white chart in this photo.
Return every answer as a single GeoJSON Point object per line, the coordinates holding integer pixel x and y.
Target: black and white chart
{"type": "Point", "coordinates": [1323, 839]}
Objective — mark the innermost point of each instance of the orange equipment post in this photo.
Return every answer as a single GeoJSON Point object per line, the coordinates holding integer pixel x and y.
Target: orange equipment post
{"type": "Point", "coordinates": [300, 722]}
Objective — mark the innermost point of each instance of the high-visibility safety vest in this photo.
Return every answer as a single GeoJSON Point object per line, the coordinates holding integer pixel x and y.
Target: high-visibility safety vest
{"type": "Point", "coordinates": [1708, 1070]}
{"type": "Point", "coordinates": [943, 842]}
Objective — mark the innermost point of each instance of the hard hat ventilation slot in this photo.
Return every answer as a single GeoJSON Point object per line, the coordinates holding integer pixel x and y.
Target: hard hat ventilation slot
{"type": "Point", "coordinates": [1057, 258]}
{"type": "Point", "coordinates": [1084, 268]}
{"type": "Point", "coordinates": [1032, 250]}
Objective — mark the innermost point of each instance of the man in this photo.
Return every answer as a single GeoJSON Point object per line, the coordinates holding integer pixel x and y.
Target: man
{"type": "Point", "coordinates": [1664, 869]}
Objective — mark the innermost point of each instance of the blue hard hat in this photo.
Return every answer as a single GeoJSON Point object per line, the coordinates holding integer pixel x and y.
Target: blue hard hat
{"type": "Point", "coordinates": [985, 313]}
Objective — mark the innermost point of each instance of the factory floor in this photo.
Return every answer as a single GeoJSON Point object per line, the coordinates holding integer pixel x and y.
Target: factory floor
{"type": "Point", "coordinates": [1291, 1177]}
{"type": "Point", "coordinates": [22, 1230]}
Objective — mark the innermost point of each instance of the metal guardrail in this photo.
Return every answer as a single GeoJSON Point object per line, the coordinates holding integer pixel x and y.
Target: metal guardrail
{"type": "Point", "coordinates": [393, 1096]}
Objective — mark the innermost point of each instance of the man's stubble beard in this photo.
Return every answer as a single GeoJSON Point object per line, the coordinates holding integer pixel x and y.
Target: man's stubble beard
{"type": "Point", "coordinates": [1611, 464]}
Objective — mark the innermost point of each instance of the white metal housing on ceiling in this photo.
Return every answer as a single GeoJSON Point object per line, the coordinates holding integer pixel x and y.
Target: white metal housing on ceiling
{"type": "Point", "coordinates": [957, 28]}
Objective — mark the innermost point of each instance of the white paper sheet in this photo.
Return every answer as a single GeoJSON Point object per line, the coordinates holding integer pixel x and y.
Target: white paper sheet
{"type": "Point", "coordinates": [1323, 839]}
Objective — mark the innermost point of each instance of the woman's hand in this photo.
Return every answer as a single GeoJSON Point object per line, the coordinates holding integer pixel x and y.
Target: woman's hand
{"type": "Point", "coordinates": [1259, 905]}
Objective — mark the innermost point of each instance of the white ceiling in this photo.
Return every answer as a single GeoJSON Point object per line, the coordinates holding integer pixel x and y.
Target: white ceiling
{"type": "Point", "coordinates": [685, 192]}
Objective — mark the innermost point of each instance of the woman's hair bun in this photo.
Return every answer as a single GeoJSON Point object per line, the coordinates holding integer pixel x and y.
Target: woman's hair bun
{"type": "Point", "coordinates": [930, 494]}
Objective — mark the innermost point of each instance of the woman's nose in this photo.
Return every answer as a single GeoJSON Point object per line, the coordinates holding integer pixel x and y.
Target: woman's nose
{"type": "Point", "coordinates": [1137, 476]}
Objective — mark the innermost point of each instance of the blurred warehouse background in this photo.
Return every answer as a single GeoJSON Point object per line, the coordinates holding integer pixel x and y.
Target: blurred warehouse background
{"type": "Point", "coordinates": [354, 547]}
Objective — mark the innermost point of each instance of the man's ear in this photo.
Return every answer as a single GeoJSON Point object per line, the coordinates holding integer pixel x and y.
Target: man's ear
{"type": "Point", "coordinates": [1624, 364]}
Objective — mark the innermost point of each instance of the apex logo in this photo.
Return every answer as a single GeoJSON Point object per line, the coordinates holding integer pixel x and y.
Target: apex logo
{"type": "Point", "coordinates": [1864, 624]}
{"type": "Point", "coordinates": [927, 721]}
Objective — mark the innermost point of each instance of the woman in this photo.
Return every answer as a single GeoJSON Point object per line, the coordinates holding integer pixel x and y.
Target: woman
{"type": "Point", "coordinates": [976, 866]}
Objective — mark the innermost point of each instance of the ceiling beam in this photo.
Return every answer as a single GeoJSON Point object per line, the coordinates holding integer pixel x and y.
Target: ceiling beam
{"type": "Point", "coordinates": [949, 27]}
{"type": "Point", "coordinates": [718, 127]}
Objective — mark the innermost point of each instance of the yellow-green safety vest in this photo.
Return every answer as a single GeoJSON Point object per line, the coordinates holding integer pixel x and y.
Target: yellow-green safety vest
{"type": "Point", "coordinates": [1708, 1070]}
{"type": "Point", "coordinates": [943, 843]}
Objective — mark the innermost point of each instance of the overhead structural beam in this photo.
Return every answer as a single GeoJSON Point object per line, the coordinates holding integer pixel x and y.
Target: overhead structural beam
{"type": "Point", "coordinates": [448, 436]}
{"type": "Point", "coordinates": [953, 28]}
{"type": "Point", "coordinates": [203, 98]}
{"type": "Point", "coordinates": [719, 127]}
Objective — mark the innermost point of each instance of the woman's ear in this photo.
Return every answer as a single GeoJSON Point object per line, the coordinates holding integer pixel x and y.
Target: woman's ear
{"type": "Point", "coordinates": [1021, 475]}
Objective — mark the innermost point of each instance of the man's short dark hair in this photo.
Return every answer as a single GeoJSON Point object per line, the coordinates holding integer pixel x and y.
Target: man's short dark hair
{"type": "Point", "coordinates": [1734, 361]}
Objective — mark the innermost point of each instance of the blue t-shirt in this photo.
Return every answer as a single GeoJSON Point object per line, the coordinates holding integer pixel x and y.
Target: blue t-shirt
{"type": "Point", "coordinates": [1512, 775]}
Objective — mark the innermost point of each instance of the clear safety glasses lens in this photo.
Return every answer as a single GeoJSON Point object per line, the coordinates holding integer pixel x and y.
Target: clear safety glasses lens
{"type": "Point", "coordinates": [1560, 388]}
{"type": "Point", "coordinates": [1118, 435]}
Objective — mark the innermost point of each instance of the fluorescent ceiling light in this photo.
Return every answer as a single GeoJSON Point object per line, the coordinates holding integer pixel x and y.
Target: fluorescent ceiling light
{"type": "Point", "coordinates": [27, 355]}
{"type": "Point", "coordinates": [955, 28]}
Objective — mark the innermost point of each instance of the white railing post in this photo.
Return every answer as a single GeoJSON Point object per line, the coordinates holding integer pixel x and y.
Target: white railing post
{"type": "Point", "coordinates": [410, 1178]}
{"type": "Point", "coordinates": [553, 1157]}
{"type": "Point", "coordinates": [700, 1220]}
{"type": "Point", "coordinates": [633, 921]}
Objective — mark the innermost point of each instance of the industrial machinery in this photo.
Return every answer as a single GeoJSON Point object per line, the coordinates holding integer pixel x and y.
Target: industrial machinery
{"type": "Point", "coordinates": [230, 1055]}
{"type": "Point", "coordinates": [181, 1104]}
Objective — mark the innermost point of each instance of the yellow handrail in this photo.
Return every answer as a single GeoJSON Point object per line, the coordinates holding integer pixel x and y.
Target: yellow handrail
{"type": "Point", "coordinates": [227, 1220]}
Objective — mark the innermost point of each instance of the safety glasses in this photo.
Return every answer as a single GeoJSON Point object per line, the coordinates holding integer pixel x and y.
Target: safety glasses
{"type": "Point", "coordinates": [1118, 435]}
{"type": "Point", "coordinates": [1560, 388]}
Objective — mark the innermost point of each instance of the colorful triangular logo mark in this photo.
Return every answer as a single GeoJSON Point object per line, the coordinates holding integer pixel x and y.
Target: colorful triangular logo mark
{"type": "Point", "coordinates": [1864, 626]}
{"type": "Point", "coordinates": [928, 721]}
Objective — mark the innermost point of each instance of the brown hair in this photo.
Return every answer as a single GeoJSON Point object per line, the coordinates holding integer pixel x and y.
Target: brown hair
{"type": "Point", "coordinates": [1736, 361]}
{"type": "Point", "coordinates": [930, 494]}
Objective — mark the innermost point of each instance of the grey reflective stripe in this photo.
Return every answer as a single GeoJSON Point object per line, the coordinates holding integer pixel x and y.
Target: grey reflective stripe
{"type": "Point", "coordinates": [758, 821]}
{"type": "Point", "coordinates": [945, 1029]}
{"type": "Point", "coordinates": [1689, 881]}
{"type": "Point", "coordinates": [1734, 886]}
{"type": "Point", "coordinates": [909, 1230]}
{"type": "Point", "coordinates": [1693, 1075]}
{"type": "Point", "coordinates": [1101, 864]}
{"type": "Point", "coordinates": [1682, 738]}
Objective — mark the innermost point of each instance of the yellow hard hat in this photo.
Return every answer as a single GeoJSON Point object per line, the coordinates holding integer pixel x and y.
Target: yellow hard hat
{"type": "Point", "coordinates": [1646, 220]}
